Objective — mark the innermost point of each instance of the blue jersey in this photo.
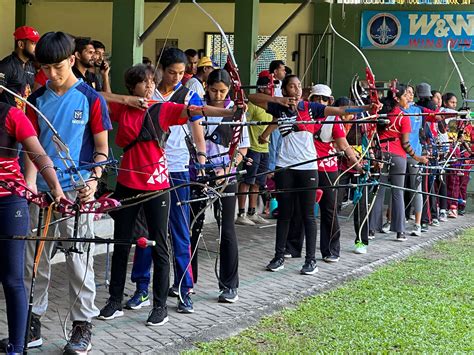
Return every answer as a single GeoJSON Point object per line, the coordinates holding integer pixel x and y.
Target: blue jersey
{"type": "Point", "coordinates": [416, 124]}
{"type": "Point", "coordinates": [77, 115]}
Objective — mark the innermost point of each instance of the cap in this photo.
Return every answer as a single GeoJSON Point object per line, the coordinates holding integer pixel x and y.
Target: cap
{"type": "Point", "coordinates": [264, 73]}
{"type": "Point", "coordinates": [26, 32]}
{"type": "Point", "coordinates": [320, 90]}
{"type": "Point", "coordinates": [423, 90]}
{"type": "Point", "coordinates": [206, 62]}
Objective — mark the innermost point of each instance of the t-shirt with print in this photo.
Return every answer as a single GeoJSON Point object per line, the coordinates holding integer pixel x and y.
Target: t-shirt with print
{"type": "Point", "coordinates": [297, 139]}
{"type": "Point", "coordinates": [218, 152]}
{"type": "Point", "coordinates": [325, 144]}
{"type": "Point", "coordinates": [194, 84]}
{"type": "Point", "coordinates": [399, 124]}
{"type": "Point", "coordinates": [15, 127]}
{"type": "Point", "coordinates": [77, 115]}
{"type": "Point", "coordinates": [257, 114]}
{"type": "Point", "coordinates": [176, 149]}
{"type": "Point", "coordinates": [144, 165]}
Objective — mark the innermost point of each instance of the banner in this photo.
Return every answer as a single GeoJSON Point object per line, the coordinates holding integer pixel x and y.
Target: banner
{"type": "Point", "coordinates": [417, 31]}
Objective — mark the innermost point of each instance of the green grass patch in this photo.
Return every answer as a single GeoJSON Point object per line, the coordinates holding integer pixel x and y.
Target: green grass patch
{"type": "Point", "coordinates": [422, 304]}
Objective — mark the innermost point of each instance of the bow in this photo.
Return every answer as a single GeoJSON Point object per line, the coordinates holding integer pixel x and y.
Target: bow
{"type": "Point", "coordinates": [370, 132]}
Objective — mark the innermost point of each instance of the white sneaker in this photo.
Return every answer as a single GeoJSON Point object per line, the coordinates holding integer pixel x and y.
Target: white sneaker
{"type": "Point", "coordinates": [243, 220]}
{"type": "Point", "coordinates": [386, 227]}
{"type": "Point", "coordinates": [416, 231]}
{"type": "Point", "coordinates": [257, 219]}
{"type": "Point", "coordinates": [443, 217]}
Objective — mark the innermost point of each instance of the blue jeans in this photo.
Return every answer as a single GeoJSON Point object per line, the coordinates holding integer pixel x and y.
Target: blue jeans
{"type": "Point", "coordinates": [179, 228]}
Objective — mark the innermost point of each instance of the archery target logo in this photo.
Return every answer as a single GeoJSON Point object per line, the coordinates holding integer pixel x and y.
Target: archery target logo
{"type": "Point", "coordinates": [384, 30]}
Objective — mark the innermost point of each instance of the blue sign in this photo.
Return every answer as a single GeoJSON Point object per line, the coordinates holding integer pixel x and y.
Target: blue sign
{"type": "Point", "coordinates": [417, 31]}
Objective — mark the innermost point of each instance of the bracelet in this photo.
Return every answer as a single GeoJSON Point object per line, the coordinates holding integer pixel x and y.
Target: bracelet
{"type": "Point", "coordinates": [201, 154]}
{"type": "Point", "coordinates": [202, 111]}
{"type": "Point", "coordinates": [44, 167]}
{"type": "Point", "coordinates": [99, 153]}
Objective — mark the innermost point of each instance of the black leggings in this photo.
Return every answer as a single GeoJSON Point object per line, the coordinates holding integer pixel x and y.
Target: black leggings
{"type": "Point", "coordinates": [291, 179]}
{"type": "Point", "coordinates": [157, 214]}
{"type": "Point", "coordinates": [330, 232]}
{"type": "Point", "coordinates": [228, 251]}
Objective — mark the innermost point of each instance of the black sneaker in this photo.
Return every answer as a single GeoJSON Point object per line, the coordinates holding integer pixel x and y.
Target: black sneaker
{"type": "Point", "coordinates": [111, 310]}
{"type": "Point", "coordinates": [186, 305]}
{"type": "Point", "coordinates": [461, 212]}
{"type": "Point", "coordinates": [309, 268]}
{"type": "Point", "coordinates": [80, 341]}
{"type": "Point", "coordinates": [401, 237]}
{"type": "Point", "coordinates": [34, 335]}
{"type": "Point", "coordinates": [173, 291]}
{"type": "Point", "coordinates": [276, 264]}
{"type": "Point", "coordinates": [157, 316]}
{"type": "Point", "coordinates": [331, 259]}
{"type": "Point", "coordinates": [424, 227]}
{"type": "Point", "coordinates": [228, 295]}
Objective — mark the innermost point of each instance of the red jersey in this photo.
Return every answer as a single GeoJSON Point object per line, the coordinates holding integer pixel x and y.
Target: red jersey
{"type": "Point", "coordinates": [393, 133]}
{"type": "Point", "coordinates": [14, 127]}
{"type": "Point", "coordinates": [325, 144]}
{"type": "Point", "coordinates": [186, 77]}
{"type": "Point", "coordinates": [144, 165]}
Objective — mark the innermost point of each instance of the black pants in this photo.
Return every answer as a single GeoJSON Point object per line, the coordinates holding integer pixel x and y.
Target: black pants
{"type": "Point", "coordinates": [295, 240]}
{"type": "Point", "coordinates": [293, 179]}
{"type": "Point", "coordinates": [157, 214]}
{"type": "Point", "coordinates": [361, 222]}
{"type": "Point", "coordinates": [224, 210]}
{"type": "Point", "coordinates": [330, 232]}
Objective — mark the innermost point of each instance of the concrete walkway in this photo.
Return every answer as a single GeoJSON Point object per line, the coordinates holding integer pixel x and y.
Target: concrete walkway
{"type": "Point", "coordinates": [260, 292]}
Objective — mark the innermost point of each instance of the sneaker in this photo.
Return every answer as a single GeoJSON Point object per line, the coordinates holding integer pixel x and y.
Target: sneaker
{"type": "Point", "coordinates": [424, 227]}
{"type": "Point", "coordinates": [243, 220]}
{"type": "Point", "coordinates": [435, 222]}
{"type": "Point", "coordinates": [80, 341]}
{"type": "Point", "coordinates": [139, 299]}
{"type": "Point", "coordinates": [401, 237]}
{"type": "Point", "coordinates": [309, 268]}
{"type": "Point", "coordinates": [276, 264]}
{"type": "Point", "coordinates": [416, 231]}
{"type": "Point", "coordinates": [173, 291]}
{"type": "Point", "coordinates": [443, 217]}
{"type": "Point", "coordinates": [360, 248]}
{"type": "Point", "coordinates": [386, 227]}
{"type": "Point", "coordinates": [228, 295]}
{"type": "Point", "coordinates": [34, 335]}
{"type": "Point", "coordinates": [453, 213]}
{"type": "Point", "coordinates": [185, 305]}
{"type": "Point", "coordinates": [287, 255]}
{"type": "Point", "coordinates": [111, 310]}
{"type": "Point", "coordinates": [371, 235]}
{"type": "Point", "coordinates": [331, 259]}
{"type": "Point", "coordinates": [461, 212]}
{"type": "Point", "coordinates": [157, 316]}
{"type": "Point", "coordinates": [257, 219]}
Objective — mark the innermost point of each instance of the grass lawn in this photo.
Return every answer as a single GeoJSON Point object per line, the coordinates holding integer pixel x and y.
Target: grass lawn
{"type": "Point", "coordinates": [422, 304]}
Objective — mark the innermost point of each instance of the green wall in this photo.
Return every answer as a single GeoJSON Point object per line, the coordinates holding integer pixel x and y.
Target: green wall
{"type": "Point", "coordinates": [406, 66]}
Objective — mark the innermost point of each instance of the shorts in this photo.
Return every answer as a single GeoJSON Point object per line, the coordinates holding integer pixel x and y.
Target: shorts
{"type": "Point", "coordinates": [14, 216]}
{"type": "Point", "coordinates": [259, 165]}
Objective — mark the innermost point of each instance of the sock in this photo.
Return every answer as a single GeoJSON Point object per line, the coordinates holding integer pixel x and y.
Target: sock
{"type": "Point", "coordinates": [251, 211]}
{"type": "Point", "coordinates": [241, 211]}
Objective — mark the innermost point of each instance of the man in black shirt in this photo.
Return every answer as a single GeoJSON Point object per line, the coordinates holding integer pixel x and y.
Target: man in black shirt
{"type": "Point", "coordinates": [85, 59]}
{"type": "Point", "coordinates": [17, 72]}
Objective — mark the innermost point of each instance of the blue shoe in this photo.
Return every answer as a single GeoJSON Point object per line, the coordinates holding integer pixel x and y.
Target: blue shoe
{"type": "Point", "coordinates": [139, 299]}
{"type": "Point", "coordinates": [186, 305]}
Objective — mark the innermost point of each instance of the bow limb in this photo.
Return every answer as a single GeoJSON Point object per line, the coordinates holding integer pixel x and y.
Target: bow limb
{"type": "Point", "coordinates": [461, 78]}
